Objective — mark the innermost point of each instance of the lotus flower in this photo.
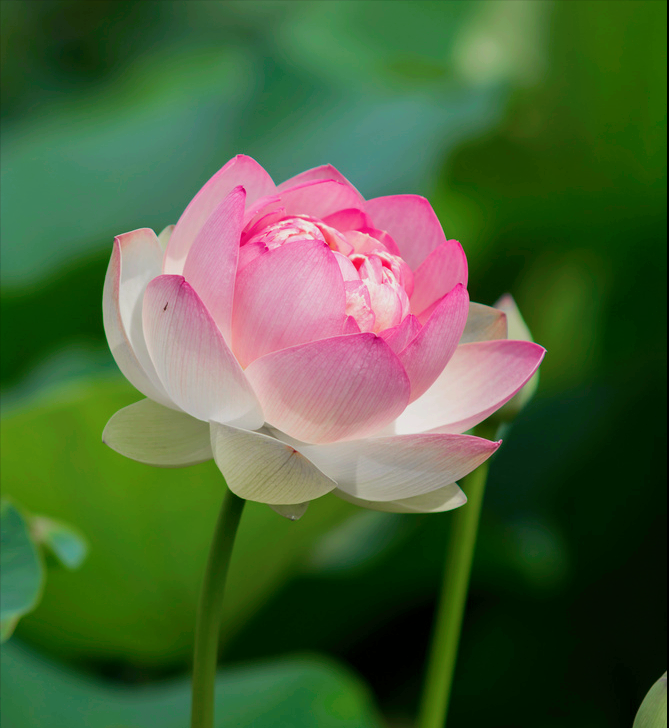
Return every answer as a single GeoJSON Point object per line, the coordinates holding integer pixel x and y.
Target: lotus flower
{"type": "Point", "coordinates": [310, 341]}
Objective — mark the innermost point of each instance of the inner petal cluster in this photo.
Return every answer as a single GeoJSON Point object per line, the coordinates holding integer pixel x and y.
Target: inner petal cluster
{"type": "Point", "coordinates": [378, 282]}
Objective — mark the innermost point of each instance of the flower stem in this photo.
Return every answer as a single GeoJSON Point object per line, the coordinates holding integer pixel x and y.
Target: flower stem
{"type": "Point", "coordinates": [453, 597]}
{"type": "Point", "coordinates": [209, 611]}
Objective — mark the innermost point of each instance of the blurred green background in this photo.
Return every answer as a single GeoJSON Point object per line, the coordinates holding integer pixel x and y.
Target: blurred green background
{"type": "Point", "coordinates": [538, 131]}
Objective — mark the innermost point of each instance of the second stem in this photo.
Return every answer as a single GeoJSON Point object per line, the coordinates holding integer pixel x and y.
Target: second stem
{"type": "Point", "coordinates": [453, 598]}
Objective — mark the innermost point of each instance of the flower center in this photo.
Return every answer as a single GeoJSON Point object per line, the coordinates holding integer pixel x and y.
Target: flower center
{"type": "Point", "coordinates": [378, 283]}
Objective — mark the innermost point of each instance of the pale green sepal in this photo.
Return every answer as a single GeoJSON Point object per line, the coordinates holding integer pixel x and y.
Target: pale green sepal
{"type": "Point", "coordinates": [653, 710]}
{"type": "Point", "coordinates": [292, 513]}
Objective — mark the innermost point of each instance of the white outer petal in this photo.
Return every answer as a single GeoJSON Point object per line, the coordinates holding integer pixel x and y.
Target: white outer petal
{"type": "Point", "coordinates": [164, 236]}
{"type": "Point", "coordinates": [191, 357]}
{"type": "Point", "coordinates": [394, 468]}
{"type": "Point", "coordinates": [150, 433]}
{"type": "Point", "coordinates": [519, 330]}
{"type": "Point", "coordinates": [443, 499]}
{"type": "Point", "coordinates": [477, 381]}
{"type": "Point", "coordinates": [516, 323]}
{"type": "Point", "coordinates": [484, 323]}
{"type": "Point", "coordinates": [292, 513]}
{"type": "Point", "coordinates": [260, 468]}
{"type": "Point", "coordinates": [136, 259]}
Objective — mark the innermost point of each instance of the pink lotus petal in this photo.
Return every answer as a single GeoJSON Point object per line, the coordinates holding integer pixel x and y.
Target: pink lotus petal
{"type": "Point", "coordinates": [263, 218]}
{"type": "Point", "coordinates": [388, 468]}
{"type": "Point", "coordinates": [211, 264]}
{"type": "Point", "coordinates": [428, 353]}
{"type": "Point", "coordinates": [333, 389]}
{"type": "Point", "coordinates": [384, 238]}
{"type": "Point", "coordinates": [248, 253]}
{"type": "Point", "coordinates": [351, 326]}
{"type": "Point", "coordinates": [136, 259]}
{"type": "Point", "coordinates": [197, 368]}
{"type": "Point", "coordinates": [401, 335]}
{"type": "Point", "coordinates": [240, 170]}
{"type": "Point", "coordinates": [443, 499]}
{"type": "Point", "coordinates": [362, 243]}
{"type": "Point", "coordinates": [347, 269]}
{"type": "Point", "coordinates": [286, 296]}
{"type": "Point", "coordinates": [440, 272]}
{"type": "Point", "coordinates": [359, 305]}
{"type": "Point", "coordinates": [484, 323]}
{"type": "Point", "coordinates": [411, 222]}
{"type": "Point", "coordinates": [479, 379]}
{"type": "Point", "coordinates": [387, 303]}
{"type": "Point", "coordinates": [260, 468]}
{"type": "Point", "coordinates": [152, 434]}
{"type": "Point", "coordinates": [320, 198]}
{"type": "Point", "coordinates": [351, 219]}
{"type": "Point", "coordinates": [260, 209]}
{"type": "Point", "coordinates": [324, 172]}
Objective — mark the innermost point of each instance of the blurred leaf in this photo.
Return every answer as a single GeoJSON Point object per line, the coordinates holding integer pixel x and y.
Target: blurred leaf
{"type": "Point", "coordinates": [149, 530]}
{"type": "Point", "coordinates": [521, 555]}
{"type": "Point", "coordinates": [653, 710]}
{"type": "Point", "coordinates": [68, 363]}
{"type": "Point", "coordinates": [502, 42]}
{"type": "Point", "coordinates": [109, 158]}
{"type": "Point", "coordinates": [113, 157]}
{"type": "Point", "coordinates": [565, 201]}
{"type": "Point", "coordinates": [65, 543]}
{"type": "Point", "coordinates": [301, 692]}
{"type": "Point", "coordinates": [21, 569]}
{"type": "Point", "coordinates": [367, 44]}
{"type": "Point", "coordinates": [358, 542]}
{"type": "Point", "coordinates": [7, 627]}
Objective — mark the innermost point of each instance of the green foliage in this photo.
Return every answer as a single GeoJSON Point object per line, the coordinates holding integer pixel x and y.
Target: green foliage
{"type": "Point", "coordinates": [564, 202]}
{"type": "Point", "coordinates": [21, 569]}
{"type": "Point", "coordinates": [300, 691]}
{"type": "Point", "coordinates": [78, 147]}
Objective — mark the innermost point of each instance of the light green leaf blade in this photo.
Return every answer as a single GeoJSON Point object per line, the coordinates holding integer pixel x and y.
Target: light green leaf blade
{"type": "Point", "coordinates": [653, 710]}
{"type": "Point", "coordinates": [21, 570]}
{"type": "Point", "coordinates": [137, 123]}
{"type": "Point", "coordinates": [297, 691]}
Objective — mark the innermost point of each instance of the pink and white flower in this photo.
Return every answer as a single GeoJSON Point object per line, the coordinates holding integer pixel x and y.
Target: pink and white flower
{"type": "Point", "coordinates": [310, 341]}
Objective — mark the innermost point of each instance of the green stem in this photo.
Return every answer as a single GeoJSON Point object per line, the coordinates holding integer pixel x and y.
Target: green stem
{"type": "Point", "coordinates": [453, 597]}
{"type": "Point", "coordinates": [209, 611]}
